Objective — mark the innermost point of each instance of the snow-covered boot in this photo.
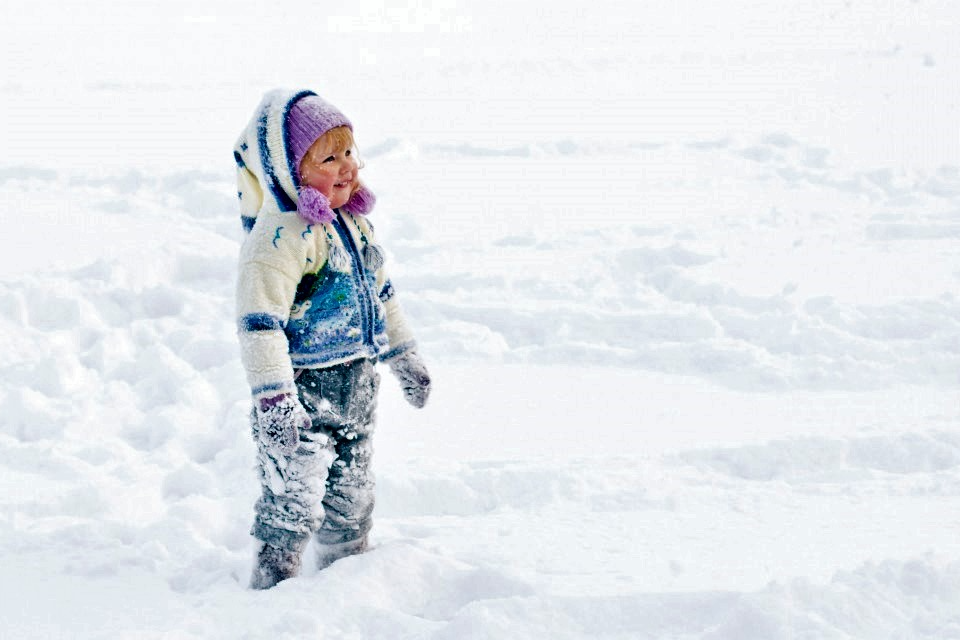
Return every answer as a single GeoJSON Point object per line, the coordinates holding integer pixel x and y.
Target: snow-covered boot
{"type": "Point", "coordinates": [274, 565]}
{"type": "Point", "coordinates": [327, 554]}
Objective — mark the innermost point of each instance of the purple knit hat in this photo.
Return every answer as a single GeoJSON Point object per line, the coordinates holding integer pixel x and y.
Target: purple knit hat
{"type": "Point", "coordinates": [309, 118]}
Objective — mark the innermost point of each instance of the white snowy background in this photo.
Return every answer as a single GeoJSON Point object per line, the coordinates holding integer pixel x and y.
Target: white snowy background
{"type": "Point", "coordinates": [687, 275]}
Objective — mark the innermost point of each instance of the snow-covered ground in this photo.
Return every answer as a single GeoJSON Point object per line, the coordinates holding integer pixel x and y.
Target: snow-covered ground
{"type": "Point", "coordinates": [687, 277]}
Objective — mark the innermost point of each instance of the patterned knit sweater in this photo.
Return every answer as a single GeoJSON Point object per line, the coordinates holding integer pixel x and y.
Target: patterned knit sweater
{"type": "Point", "coordinates": [308, 295]}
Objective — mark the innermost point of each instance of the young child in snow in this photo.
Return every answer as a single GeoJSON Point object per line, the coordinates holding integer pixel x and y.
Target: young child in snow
{"type": "Point", "coordinates": [316, 312]}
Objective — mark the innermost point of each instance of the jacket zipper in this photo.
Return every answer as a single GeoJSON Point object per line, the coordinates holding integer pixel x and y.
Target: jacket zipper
{"type": "Point", "coordinates": [364, 293]}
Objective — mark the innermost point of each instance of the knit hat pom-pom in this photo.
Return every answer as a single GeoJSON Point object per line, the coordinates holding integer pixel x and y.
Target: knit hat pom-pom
{"type": "Point", "coordinates": [361, 202]}
{"type": "Point", "coordinates": [314, 207]}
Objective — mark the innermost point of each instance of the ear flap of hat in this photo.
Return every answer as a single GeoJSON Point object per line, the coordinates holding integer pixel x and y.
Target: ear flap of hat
{"type": "Point", "coordinates": [314, 207]}
{"type": "Point", "coordinates": [361, 202]}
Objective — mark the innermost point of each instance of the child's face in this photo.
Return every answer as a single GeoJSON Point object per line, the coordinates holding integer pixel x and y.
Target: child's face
{"type": "Point", "coordinates": [331, 171]}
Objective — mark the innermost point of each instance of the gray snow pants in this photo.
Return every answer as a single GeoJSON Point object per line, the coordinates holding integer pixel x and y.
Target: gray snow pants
{"type": "Point", "coordinates": [325, 487]}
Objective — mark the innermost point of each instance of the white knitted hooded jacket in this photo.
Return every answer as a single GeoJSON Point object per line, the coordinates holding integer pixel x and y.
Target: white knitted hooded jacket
{"type": "Point", "coordinates": [308, 294]}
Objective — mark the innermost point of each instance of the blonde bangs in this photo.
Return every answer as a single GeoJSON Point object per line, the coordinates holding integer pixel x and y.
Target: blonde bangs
{"type": "Point", "coordinates": [340, 137]}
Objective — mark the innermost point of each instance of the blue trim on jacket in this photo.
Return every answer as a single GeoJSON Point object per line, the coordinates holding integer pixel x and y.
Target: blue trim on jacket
{"type": "Point", "coordinates": [398, 350]}
{"type": "Point", "coordinates": [283, 200]}
{"type": "Point", "coordinates": [387, 292]}
{"type": "Point", "coordinates": [261, 322]}
{"type": "Point", "coordinates": [276, 386]}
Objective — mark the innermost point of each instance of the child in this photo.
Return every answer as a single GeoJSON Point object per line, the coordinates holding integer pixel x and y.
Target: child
{"type": "Point", "coordinates": [315, 311]}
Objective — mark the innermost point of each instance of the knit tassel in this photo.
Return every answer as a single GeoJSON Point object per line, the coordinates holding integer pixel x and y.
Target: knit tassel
{"type": "Point", "coordinates": [338, 259]}
{"type": "Point", "coordinates": [314, 207]}
{"type": "Point", "coordinates": [361, 202]}
{"type": "Point", "coordinates": [372, 257]}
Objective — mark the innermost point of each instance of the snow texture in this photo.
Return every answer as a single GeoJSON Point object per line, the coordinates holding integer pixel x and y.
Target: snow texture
{"type": "Point", "coordinates": [685, 276]}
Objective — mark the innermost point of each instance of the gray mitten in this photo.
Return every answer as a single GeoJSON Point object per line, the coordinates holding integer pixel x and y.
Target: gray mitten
{"type": "Point", "coordinates": [279, 420]}
{"type": "Point", "coordinates": [413, 377]}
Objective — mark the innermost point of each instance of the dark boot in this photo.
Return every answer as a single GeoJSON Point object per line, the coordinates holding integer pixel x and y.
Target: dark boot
{"type": "Point", "coordinates": [274, 565]}
{"type": "Point", "coordinates": [327, 554]}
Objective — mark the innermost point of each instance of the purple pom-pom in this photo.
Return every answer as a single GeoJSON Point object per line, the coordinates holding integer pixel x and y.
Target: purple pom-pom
{"type": "Point", "coordinates": [314, 207]}
{"type": "Point", "coordinates": [361, 202]}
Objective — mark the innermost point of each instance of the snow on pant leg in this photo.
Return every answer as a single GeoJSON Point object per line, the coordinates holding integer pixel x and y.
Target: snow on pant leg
{"type": "Point", "coordinates": [342, 400]}
{"type": "Point", "coordinates": [290, 506]}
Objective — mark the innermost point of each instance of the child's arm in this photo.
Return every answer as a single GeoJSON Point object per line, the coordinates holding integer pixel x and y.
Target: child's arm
{"type": "Point", "coordinates": [271, 265]}
{"type": "Point", "coordinates": [401, 355]}
{"type": "Point", "coordinates": [398, 332]}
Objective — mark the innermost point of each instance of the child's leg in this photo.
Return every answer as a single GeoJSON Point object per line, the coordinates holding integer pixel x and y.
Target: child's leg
{"type": "Point", "coordinates": [289, 509]}
{"type": "Point", "coordinates": [343, 400]}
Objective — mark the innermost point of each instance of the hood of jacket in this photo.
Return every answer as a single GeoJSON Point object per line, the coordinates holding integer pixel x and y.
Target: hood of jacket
{"type": "Point", "coordinates": [267, 178]}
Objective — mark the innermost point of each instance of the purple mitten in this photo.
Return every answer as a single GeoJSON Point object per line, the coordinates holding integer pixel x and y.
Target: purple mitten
{"type": "Point", "coordinates": [279, 420]}
{"type": "Point", "coordinates": [413, 376]}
